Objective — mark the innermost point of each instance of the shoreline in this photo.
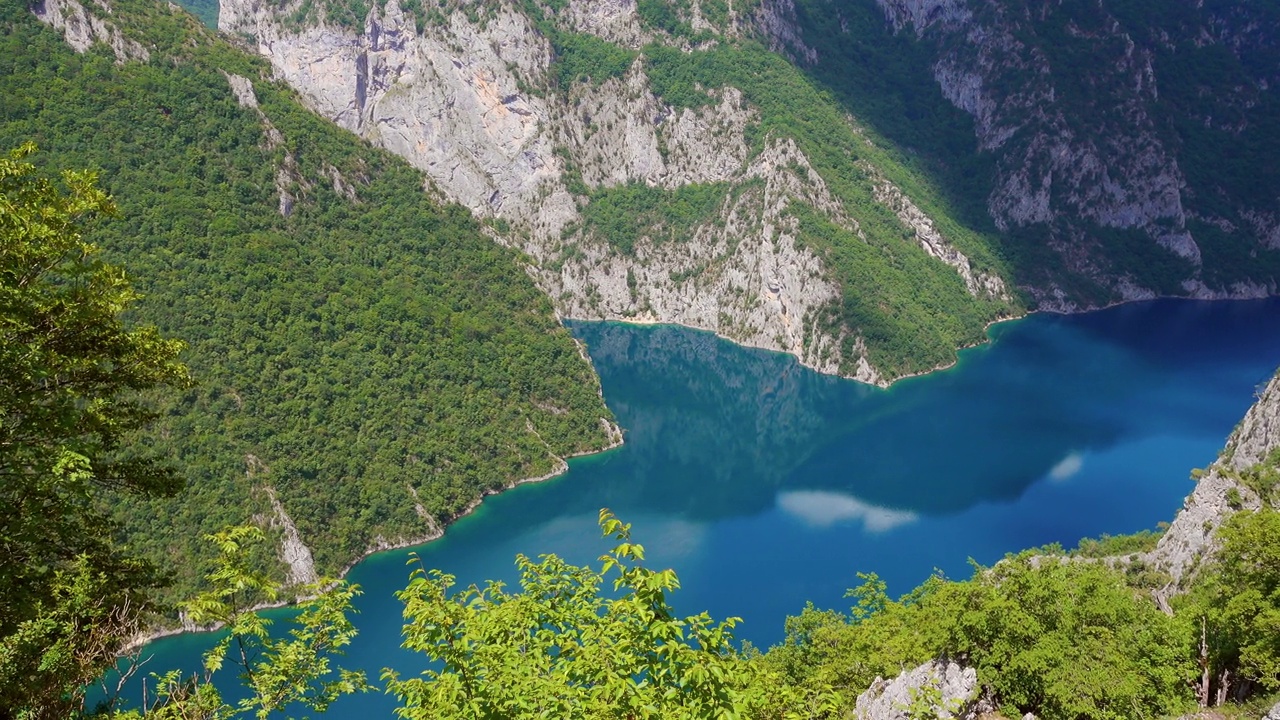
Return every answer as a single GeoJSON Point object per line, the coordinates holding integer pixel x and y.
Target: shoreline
{"type": "Point", "coordinates": [644, 322]}
{"type": "Point", "coordinates": [616, 440]}
{"type": "Point", "coordinates": [986, 330]}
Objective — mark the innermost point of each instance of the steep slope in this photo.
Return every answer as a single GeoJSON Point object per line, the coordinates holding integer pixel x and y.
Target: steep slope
{"type": "Point", "coordinates": [368, 363]}
{"type": "Point", "coordinates": [1122, 147]}
{"type": "Point", "coordinates": [1243, 478]}
{"type": "Point", "coordinates": [656, 164]}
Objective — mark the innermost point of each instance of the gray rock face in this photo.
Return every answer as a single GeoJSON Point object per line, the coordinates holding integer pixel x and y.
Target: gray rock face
{"type": "Point", "coordinates": [1078, 109]}
{"type": "Point", "coordinates": [762, 293]}
{"type": "Point", "coordinates": [449, 101]}
{"type": "Point", "coordinates": [1118, 175]}
{"type": "Point", "coordinates": [82, 27]}
{"type": "Point", "coordinates": [1274, 713]}
{"type": "Point", "coordinates": [613, 20]}
{"type": "Point", "coordinates": [777, 20]}
{"type": "Point", "coordinates": [950, 689]}
{"type": "Point", "coordinates": [1191, 539]}
{"type": "Point", "coordinates": [470, 102]}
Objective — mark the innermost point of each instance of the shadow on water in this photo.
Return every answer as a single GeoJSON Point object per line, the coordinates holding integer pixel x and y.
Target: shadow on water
{"type": "Point", "coordinates": [715, 430]}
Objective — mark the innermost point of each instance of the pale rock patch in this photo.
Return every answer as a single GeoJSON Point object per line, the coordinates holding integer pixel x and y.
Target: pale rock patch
{"type": "Point", "coordinates": [82, 28]}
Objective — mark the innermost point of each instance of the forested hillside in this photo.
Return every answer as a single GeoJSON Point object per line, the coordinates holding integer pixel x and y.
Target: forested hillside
{"type": "Point", "coordinates": [368, 362]}
{"type": "Point", "coordinates": [658, 162]}
{"type": "Point", "coordinates": [1120, 147]}
{"type": "Point", "coordinates": [372, 361]}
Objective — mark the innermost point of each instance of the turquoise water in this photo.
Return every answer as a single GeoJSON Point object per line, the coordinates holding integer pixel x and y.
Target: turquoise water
{"type": "Point", "coordinates": [765, 484]}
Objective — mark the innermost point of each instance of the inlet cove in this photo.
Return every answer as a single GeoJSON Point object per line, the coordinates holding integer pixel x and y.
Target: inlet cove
{"type": "Point", "coordinates": [766, 485]}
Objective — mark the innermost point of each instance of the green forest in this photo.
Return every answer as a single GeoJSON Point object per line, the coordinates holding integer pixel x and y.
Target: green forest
{"type": "Point", "coordinates": [374, 358]}
{"type": "Point", "coordinates": [208, 306]}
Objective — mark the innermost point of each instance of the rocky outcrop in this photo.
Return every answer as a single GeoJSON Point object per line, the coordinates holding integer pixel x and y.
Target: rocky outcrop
{"type": "Point", "coordinates": [469, 98]}
{"type": "Point", "coordinates": [1124, 141]}
{"type": "Point", "coordinates": [1191, 539]}
{"type": "Point", "coordinates": [776, 20]}
{"type": "Point", "coordinates": [612, 20]}
{"type": "Point", "coordinates": [83, 26]}
{"type": "Point", "coordinates": [452, 101]}
{"type": "Point", "coordinates": [942, 688]}
{"type": "Point", "coordinates": [301, 569]}
{"type": "Point", "coordinates": [978, 283]}
{"type": "Point", "coordinates": [766, 292]}
{"type": "Point", "coordinates": [289, 180]}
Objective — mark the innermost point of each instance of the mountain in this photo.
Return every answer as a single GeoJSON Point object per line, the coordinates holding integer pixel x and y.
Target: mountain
{"type": "Point", "coordinates": [867, 205]}
{"type": "Point", "coordinates": [656, 162]}
{"type": "Point", "coordinates": [866, 185]}
{"type": "Point", "coordinates": [1127, 141]}
{"type": "Point", "coordinates": [368, 362]}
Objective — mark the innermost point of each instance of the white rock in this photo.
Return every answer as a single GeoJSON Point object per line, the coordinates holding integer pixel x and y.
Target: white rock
{"type": "Point", "coordinates": [956, 687]}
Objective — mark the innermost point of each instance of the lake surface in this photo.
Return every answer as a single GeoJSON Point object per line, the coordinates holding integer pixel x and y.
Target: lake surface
{"type": "Point", "coordinates": [765, 484]}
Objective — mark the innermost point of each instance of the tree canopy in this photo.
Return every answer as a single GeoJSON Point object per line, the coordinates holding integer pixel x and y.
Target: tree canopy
{"type": "Point", "coordinates": [564, 647]}
{"type": "Point", "coordinates": [73, 380]}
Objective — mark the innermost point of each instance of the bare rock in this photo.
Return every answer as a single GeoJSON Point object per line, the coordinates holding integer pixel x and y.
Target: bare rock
{"type": "Point", "coordinates": [82, 27]}
{"type": "Point", "coordinates": [1191, 539]}
{"type": "Point", "coordinates": [951, 689]}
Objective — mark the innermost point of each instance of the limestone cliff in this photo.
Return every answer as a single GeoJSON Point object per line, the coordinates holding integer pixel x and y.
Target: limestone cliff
{"type": "Point", "coordinates": [84, 25]}
{"type": "Point", "coordinates": [476, 96]}
{"type": "Point", "coordinates": [1132, 144]}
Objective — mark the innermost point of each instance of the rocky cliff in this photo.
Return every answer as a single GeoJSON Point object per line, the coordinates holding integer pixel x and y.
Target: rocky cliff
{"type": "Point", "coordinates": [938, 688]}
{"type": "Point", "coordinates": [1130, 139]}
{"type": "Point", "coordinates": [641, 184]}
{"type": "Point", "coordinates": [1224, 488]}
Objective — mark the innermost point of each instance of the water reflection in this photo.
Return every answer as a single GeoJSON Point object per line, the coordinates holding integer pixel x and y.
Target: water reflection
{"type": "Point", "coordinates": [715, 430]}
{"type": "Point", "coordinates": [821, 508]}
{"type": "Point", "coordinates": [766, 485]}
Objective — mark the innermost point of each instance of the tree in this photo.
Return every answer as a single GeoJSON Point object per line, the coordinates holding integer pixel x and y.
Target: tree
{"type": "Point", "coordinates": [279, 673]}
{"type": "Point", "coordinates": [562, 648]}
{"type": "Point", "coordinates": [1060, 638]}
{"type": "Point", "coordinates": [1236, 607]}
{"type": "Point", "coordinates": [73, 387]}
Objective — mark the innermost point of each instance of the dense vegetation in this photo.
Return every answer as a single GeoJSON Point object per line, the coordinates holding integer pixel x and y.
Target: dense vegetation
{"type": "Point", "coordinates": [1060, 637]}
{"type": "Point", "coordinates": [1063, 639]}
{"type": "Point", "coordinates": [625, 213]}
{"type": "Point", "coordinates": [368, 355]}
{"type": "Point", "coordinates": [70, 378]}
{"type": "Point", "coordinates": [1218, 136]}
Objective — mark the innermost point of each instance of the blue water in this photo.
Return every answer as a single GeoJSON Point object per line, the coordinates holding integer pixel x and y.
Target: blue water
{"type": "Point", "coordinates": [766, 485]}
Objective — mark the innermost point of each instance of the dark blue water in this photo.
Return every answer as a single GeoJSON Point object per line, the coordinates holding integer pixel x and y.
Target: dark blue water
{"type": "Point", "coordinates": [766, 485]}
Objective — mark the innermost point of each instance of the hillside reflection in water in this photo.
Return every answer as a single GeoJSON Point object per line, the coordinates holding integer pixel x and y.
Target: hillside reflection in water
{"type": "Point", "coordinates": [765, 485]}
